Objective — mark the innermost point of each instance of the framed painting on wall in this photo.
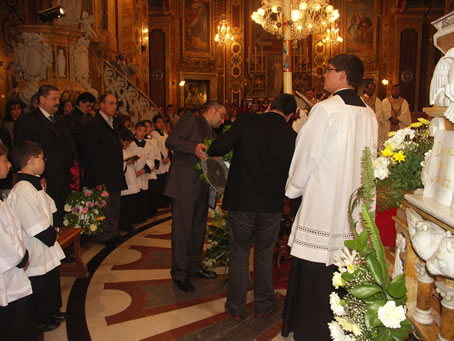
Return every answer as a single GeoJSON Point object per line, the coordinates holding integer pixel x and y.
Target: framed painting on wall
{"type": "Point", "coordinates": [196, 93]}
{"type": "Point", "coordinates": [274, 74]}
{"type": "Point", "coordinates": [361, 26]}
{"type": "Point", "coordinates": [197, 28]}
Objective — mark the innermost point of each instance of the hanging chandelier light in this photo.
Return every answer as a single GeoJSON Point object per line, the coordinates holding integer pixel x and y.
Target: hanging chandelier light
{"type": "Point", "coordinates": [307, 17]}
{"type": "Point", "coordinates": [332, 36]}
{"type": "Point", "coordinates": [223, 34]}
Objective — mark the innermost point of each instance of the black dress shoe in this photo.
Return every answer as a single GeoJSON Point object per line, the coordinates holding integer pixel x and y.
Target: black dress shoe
{"type": "Point", "coordinates": [184, 285]}
{"type": "Point", "coordinates": [205, 274]}
{"type": "Point", "coordinates": [60, 317]}
{"type": "Point", "coordinates": [48, 327]}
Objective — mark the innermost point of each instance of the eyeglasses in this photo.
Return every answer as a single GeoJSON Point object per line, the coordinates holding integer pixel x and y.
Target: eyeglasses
{"type": "Point", "coordinates": [331, 69]}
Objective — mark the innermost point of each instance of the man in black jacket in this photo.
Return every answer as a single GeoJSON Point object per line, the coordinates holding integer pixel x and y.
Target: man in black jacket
{"type": "Point", "coordinates": [104, 164]}
{"type": "Point", "coordinates": [263, 148]}
{"type": "Point", "coordinates": [52, 133]}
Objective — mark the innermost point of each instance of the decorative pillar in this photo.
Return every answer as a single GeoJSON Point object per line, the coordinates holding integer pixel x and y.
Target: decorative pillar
{"type": "Point", "coordinates": [286, 47]}
{"type": "Point", "coordinates": [423, 312]}
{"type": "Point", "coordinates": [446, 291]}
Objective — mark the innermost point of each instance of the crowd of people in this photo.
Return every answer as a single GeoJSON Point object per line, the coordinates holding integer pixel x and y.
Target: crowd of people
{"type": "Point", "coordinates": [58, 146]}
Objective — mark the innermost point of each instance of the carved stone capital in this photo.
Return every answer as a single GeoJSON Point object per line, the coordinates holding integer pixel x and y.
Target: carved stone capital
{"type": "Point", "coordinates": [423, 275]}
{"type": "Point", "coordinates": [447, 294]}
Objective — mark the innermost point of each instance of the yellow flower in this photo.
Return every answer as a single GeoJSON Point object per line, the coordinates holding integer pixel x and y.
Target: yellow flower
{"type": "Point", "coordinates": [399, 157]}
{"type": "Point", "coordinates": [416, 125]}
{"type": "Point", "coordinates": [92, 227]}
{"type": "Point", "coordinates": [391, 133]}
{"type": "Point", "coordinates": [424, 121]}
{"type": "Point", "coordinates": [387, 151]}
{"type": "Point", "coordinates": [100, 218]}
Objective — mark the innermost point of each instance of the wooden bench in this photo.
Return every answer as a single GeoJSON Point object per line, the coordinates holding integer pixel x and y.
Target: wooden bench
{"type": "Point", "coordinates": [66, 237]}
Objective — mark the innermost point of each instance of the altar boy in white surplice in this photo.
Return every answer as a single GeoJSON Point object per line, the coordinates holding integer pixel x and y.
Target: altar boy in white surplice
{"type": "Point", "coordinates": [17, 321]}
{"type": "Point", "coordinates": [34, 208]}
{"type": "Point", "coordinates": [325, 171]}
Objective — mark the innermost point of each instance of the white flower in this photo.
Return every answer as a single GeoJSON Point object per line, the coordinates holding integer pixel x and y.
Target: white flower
{"type": "Point", "coordinates": [92, 227]}
{"type": "Point", "coordinates": [349, 337]}
{"type": "Point", "coordinates": [336, 304]}
{"type": "Point", "coordinates": [67, 208]}
{"type": "Point", "coordinates": [336, 331]}
{"type": "Point", "coordinates": [390, 315]}
{"type": "Point", "coordinates": [65, 222]}
{"type": "Point", "coordinates": [345, 259]}
{"type": "Point", "coordinates": [349, 326]}
{"type": "Point", "coordinates": [381, 170]}
{"type": "Point", "coordinates": [426, 158]}
{"type": "Point", "coordinates": [338, 281]}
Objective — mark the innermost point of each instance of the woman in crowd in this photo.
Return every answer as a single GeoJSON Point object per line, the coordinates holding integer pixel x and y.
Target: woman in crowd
{"type": "Point", "coordinates": [13, 109]}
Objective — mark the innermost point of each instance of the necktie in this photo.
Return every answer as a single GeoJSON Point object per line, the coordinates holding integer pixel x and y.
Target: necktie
{"type": "Point", "coordinates": [52, 119]}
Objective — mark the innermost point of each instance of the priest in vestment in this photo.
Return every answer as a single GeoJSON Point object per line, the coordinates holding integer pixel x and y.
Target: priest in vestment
{"type": "Point", "coordinates": [325, 171]}
{"type": "Point", "coordinates": [396, 111]}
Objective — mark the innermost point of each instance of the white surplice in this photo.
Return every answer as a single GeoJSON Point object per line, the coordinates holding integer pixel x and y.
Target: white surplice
{"type": "Point", "coordinates": [325, 170]}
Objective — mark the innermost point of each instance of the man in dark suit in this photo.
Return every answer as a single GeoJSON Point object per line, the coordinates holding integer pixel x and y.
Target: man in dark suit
{"type": "Point", "coordinates": [52, 133]}
{"type": "Point", "coordinates": [104, 164]}
{"type": "Point", "coordinates": [189, 193]}
{"type": "Point", "coordinates": [263, 148]}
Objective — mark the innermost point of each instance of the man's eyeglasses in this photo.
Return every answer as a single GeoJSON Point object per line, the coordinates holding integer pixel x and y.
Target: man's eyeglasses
{"type": "Point", "coordinates": [331, 69]}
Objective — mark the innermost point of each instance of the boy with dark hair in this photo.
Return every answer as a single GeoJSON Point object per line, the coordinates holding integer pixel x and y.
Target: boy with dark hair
{"type": "Point", "coordinates": [145, 167]}
{"type": "Point", "coordinates": [17, 320]}
{"type": "Point", "coordinates": [34, 208]}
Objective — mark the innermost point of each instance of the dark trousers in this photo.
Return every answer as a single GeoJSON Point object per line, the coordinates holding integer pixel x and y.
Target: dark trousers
{"type": "Point", "coordinates": [161, 200]}
{"type": "Point", "coordinates": [153, 196]}
{"type": "Point", "coordinates": [59, 195]}
{"type": "Point", "coordinates": [17, 320]}
{"type": "Point", "coordinates": [128, 211]}
{"type": "Point", "coordinates": [46, 295]}
{"type": "Point", "coordinates": [243, 226]}
{"type": "Point", "coordinates": [189, 220]}
{"type": "Point", "coordinates": [112, 214]}
{"type": "Point", "coordinates": [142, 206]}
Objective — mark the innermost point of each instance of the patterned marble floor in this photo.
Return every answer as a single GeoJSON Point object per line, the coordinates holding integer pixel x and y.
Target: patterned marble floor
{"type": "Point", "coordinates": [130, 296]}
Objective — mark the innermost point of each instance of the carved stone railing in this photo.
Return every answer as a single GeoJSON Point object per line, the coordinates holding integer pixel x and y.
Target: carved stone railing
{"type": "Point", "coordinates": [131, 100]}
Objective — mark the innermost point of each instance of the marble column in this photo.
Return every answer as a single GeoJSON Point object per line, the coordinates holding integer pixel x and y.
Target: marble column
{"type": "Point", "coordinates": [446, 291]}
{"type": "Point", "coordinates": [423, 312]}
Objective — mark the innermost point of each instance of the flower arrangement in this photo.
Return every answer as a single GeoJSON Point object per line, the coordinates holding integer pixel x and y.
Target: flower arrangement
{"type": "Point", "coordinates": [85, 210]}
{"type": "Point", "coordinates": [217, 253]}
{"type": "Point", "coordinates": [399, 165]}
{"type": "Point", "coordinates": [371, 305]}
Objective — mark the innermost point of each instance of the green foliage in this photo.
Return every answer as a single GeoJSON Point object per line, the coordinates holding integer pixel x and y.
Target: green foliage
{"type": "Point", "coordinates": [84, 209]}
{"type": "Point", "coordinates": [217, 253]}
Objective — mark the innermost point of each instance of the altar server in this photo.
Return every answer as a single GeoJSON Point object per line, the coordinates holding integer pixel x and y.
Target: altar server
{"type": "Point", "coordinates": [34, 208]}
{"type": "Point", "coordinates": [17, 320]}
{"type": "Point", "coordinates": [325, 171]}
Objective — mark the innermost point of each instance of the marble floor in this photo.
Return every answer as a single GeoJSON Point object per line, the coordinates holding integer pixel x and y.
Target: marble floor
{"type": "Point", "coordinates": [129, 295]}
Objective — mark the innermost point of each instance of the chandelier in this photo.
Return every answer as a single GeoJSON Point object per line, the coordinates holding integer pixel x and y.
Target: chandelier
{"type": "Point", "coordinates": [332, 36]}
{"type": "Point", "coordinates": [307, 17]}
{"type": "Point", "coordinates": [223, 34]}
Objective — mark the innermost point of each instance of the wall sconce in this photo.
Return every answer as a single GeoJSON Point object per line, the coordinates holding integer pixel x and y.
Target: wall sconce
{"type": "Point", "coordinates": [47, 15]}
{"type": "Point", "coordinates": [182, 83]}
{"type": "Point", "coordinates": [386, 82]}
{"type": "Point", "coordinates": [143, 46]}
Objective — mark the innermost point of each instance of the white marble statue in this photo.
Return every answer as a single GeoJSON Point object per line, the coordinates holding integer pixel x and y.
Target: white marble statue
{"type": "Point", "coordinates": [32, 58]}
{"type": "Point", "coordinates": [81, 65]}
{"type": "Point", "coordinates": [425, 236]}
{"type": "Point", "coordinates": [61, 64]}
{"type": "Point", "coordinates": [442, 261]}
{"type": "Point", "coordinates": [400, 248]}
{"type": "Point", "coordinates": [442, 84]}
{"type": "Point", "coordinates": [85, 25]}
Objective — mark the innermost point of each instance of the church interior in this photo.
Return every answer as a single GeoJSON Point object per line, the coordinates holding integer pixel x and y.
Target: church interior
{"type": "Point", "coordinates": [155, 53]}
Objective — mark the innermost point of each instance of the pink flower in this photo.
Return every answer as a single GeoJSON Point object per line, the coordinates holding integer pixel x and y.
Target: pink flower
{"type": "Point", "coordinates": [90, 204]}
{"type": "Point", "coordinates": [85, 210]}
{"type": "Point", "coordinates": [87, 193]}
{"type": "Point", "coordinates": [103, 202]}
{"type": "Point", "coordinates": [74, 210]}
{"type": "Point", "coordinates": [104, 194]}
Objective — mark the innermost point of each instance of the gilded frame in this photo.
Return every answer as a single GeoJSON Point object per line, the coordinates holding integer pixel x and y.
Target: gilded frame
{"type": "Point", "coordinates": [360, 27]}
{"type": "Point", "coordinates": [197, 33]}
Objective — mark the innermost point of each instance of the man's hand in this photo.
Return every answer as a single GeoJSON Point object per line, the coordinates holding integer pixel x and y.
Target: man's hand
{"type": "Point", "coordinates": [200, 151]}
{"type": "Point", "coordinates": [394, 120]}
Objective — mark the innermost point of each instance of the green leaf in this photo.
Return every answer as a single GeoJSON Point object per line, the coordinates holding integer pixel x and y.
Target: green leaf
{"type": "Point", "coordinates": [397, 289]}
{"type": "Point", "coordinates": [347, 276]}
{"type": "Point", "coordinates": [362, 241]}
{"type": "Point", "coordinates": [401, 332]}
{"type": "Point", "coordinates": [375, 269]}
{"type": "Point", "coordinates": [365, 290]}
{"type": "Point", "coordinates": [352, 244]}
{"type": "Point", "coordinates": [384, 335]}
{"type": "Point", "coordinates": [372, 319]}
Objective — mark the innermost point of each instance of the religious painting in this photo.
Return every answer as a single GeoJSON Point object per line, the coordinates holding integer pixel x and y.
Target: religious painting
{"type": "Point", "coordinates": [197, 24]}
{"type": "Point", "coordinates": [361, 26]}
{"type": "Point", "coordinates": [274, 74]}
{"type": "Point", "coordinates": [195, 93]}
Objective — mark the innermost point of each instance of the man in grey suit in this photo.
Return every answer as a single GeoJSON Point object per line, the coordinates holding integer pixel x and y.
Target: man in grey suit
{"type": "Point", "coordinates": [189, 193]}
